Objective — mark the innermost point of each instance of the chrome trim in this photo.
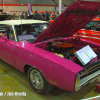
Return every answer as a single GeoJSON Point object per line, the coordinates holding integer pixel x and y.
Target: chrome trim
{"type": "Point", "coordinates": [88, 70]}
{"type": "Point", "coordinates": [89, 34]}
{"type": "Point", "coordinates": [93, 98]}
{"type": "Point", "coordinates": [79, 86]}
{"type": "Point", "coordinates": [14, 32]}
{"type": "Point", "coordinates": [88, 37]}
{"type": "Point", "coordinates": [89, 78]}
{"type": "Point", "coordinates": [36, 79]}
{"type": "Point", "coordinates": [95, 65]}
{"type": "Point", "coordinates": [83, 77]}
{"type": "Point", "coordinates": [77, 83]}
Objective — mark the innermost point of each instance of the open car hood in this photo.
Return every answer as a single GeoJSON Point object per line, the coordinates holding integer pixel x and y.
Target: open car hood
{"type": "Point", "coordinates": [75, 17]}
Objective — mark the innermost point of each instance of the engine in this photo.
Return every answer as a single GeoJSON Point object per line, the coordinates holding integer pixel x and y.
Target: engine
{"type": "Point", "coordinates": [63, 49]}
{"type": "Point", "coordinates": [79, 52]}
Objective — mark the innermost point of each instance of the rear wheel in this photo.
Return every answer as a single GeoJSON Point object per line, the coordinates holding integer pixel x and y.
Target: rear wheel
{"type": "Point", "coordinates": [38, 81]}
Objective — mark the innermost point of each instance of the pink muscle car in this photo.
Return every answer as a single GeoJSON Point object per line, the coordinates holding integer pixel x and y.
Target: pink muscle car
{"type": "Point", "coordinates": [53, 58]}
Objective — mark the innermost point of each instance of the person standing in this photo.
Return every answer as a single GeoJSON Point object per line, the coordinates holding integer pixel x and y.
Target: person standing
{"type": "Point", "coordinates": [37, 16]}
{"type": "Point", "coordinates": [57, 14]}
{"type": "Point", "coordinates": [54, 14]}
{"type": "Point", "coordinates": [43, 15]}
{"type": "Point", "coordinates": [47, 16]}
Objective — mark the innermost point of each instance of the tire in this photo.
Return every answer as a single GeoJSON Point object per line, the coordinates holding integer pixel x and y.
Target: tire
{"type": "Point", "coordinates": [38, 81]}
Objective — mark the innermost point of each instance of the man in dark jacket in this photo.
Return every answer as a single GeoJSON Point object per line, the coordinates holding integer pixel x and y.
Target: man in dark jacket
{"type": "Point", "coordinates": [47, 16]}
{"type": "Point", "coordinates": [37, 16]}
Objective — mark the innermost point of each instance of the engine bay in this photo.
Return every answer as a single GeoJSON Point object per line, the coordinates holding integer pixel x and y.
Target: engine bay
{"type": "Point", "coordinates": [62, 49]}
{"type": "Point", "coordinates": [66, 48]}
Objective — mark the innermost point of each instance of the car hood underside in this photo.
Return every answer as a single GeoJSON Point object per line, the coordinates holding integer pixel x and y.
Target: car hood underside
{"type": "Point", "coordinates": [71, 20]}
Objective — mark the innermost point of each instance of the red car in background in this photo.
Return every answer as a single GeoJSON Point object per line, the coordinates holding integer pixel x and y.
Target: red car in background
{"type": "Point", "coordinates": [91, 31]}
{"type": "Point", "coordinates": [51, 19]}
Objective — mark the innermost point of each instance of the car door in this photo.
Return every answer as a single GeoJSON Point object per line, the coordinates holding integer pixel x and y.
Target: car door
{"type": "Point", "coordinates": [7, 46]}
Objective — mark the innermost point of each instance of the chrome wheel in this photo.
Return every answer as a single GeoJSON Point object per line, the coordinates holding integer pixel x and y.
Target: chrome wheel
{"type": "Point", "coordinates": [36, 79]}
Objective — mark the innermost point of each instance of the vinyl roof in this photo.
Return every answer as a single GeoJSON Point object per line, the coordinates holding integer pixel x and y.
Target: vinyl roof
{"type": "Point", "coordinates": [17, 22]}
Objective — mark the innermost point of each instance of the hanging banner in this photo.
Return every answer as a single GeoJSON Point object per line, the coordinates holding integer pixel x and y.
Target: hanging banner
{"type": "Point", "coordinates": [62, 8]}
{"type": "Point", "coordinates": [29, 8]}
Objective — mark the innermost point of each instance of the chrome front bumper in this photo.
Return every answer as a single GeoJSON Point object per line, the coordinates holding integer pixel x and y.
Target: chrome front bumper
{"type": "Point", "coordinates": [87, 75]}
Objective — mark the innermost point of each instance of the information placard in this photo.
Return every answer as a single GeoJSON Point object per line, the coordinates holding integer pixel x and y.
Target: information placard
{"type": "Point", "coordinates": [85, 55]}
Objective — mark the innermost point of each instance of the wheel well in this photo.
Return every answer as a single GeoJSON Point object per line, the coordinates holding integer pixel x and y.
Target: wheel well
{"type": "Point", "coordinates": [26, 68]}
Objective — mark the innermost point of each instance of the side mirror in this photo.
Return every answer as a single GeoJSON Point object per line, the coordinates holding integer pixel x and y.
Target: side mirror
{"type": "Point", "coordinates": [4, 38]}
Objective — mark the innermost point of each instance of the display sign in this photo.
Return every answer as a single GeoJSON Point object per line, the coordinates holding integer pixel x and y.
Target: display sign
{"type": "Point", "coordinates": [62, 8]}
{"type": "Point", "coordinates": [85, 55]}
{"type": "Point", "coordinates": [29, 8]}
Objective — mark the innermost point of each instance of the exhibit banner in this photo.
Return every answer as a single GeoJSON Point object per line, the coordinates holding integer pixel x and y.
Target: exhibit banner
{"type": "Point", "coordinates": [29, 8]}
{"type": "Point", "coordinates": [62, 8]}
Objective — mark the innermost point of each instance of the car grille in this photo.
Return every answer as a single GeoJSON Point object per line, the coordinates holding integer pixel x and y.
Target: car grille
{"type": "Point", "coordinates": [88, 74]}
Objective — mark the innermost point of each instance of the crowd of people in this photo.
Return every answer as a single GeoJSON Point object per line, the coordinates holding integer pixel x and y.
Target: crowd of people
{"type": "Point", "coordinates": [43, 15]}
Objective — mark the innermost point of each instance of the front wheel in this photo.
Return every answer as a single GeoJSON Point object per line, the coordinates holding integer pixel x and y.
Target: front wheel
{"type": "Point", "coordinates": [38, 81]}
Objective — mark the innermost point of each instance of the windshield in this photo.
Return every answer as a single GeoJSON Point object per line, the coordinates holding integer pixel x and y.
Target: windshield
{"type": "Point", "coordinates": [29, 32]}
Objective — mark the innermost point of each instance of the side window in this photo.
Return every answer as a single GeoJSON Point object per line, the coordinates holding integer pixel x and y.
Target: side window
{"type": "Point", "coordinates": [7, 30]}
{"type": "Point", "coordinates": [2, 31]}
{"type": "Point", "coordinates": [11, 35]}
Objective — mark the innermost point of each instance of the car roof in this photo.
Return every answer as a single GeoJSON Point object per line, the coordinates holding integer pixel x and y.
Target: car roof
{"type": "Point", "coordinates": [17, 22]}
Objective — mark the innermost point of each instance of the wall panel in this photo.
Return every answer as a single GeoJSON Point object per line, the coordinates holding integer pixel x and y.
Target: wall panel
{"type": "Point", "coordinates": [45, 5]}
{"type": "Point", "coordinates": [20, 9]}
